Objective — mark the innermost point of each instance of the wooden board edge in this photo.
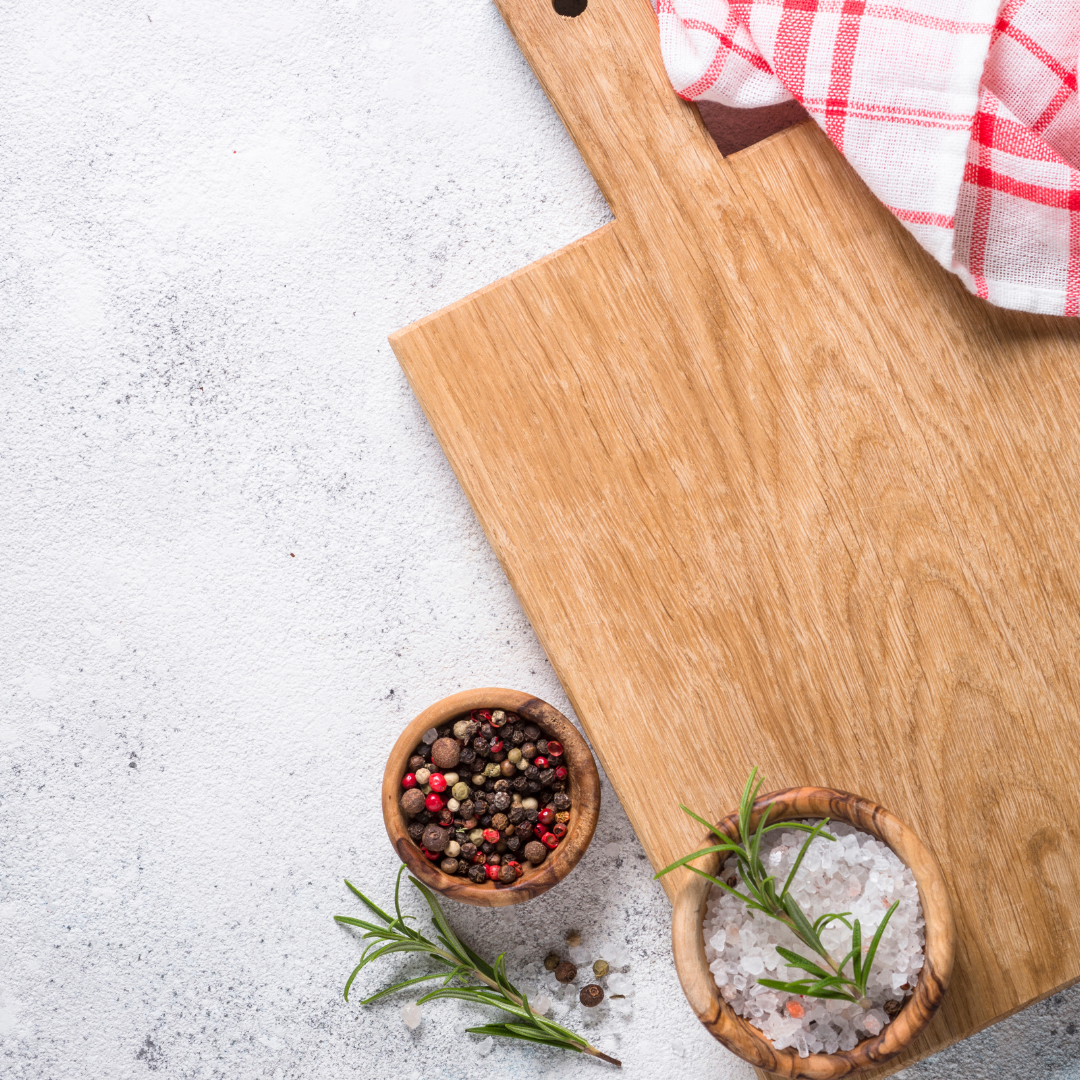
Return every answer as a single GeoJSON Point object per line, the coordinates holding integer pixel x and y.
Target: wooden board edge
{"type": "Point", "coordinates": [398, 336]}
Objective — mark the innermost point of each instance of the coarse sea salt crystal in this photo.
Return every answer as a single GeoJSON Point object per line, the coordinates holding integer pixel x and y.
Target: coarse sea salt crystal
{"type": "Point", "coordinates": [855, 873]}
{"type": "Point", "coordinates": [410, 1015]}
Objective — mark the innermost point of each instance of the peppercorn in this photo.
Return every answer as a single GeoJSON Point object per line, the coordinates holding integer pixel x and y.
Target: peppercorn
{"type": "Point", "coordinates": [532, 732]}
{"type": "Point", "coordinates": [531, 816]}
{"type": "Point", "coordinates": [550, 840]}
{"type": "Point", "coordinates": [468, 850]}
{"type": "Point", "coordinates": [489, 785]}
{"type": "Point", "coordinates": [551, 961]}
{"type": "Point", "coordinates": [416, 830]}
{"type": "Point", "coordinates": [501, 802]}
{"type": "Point", "coordinates": [499, 822]}
{"type": "Point", "coordinates": [502, 785]}
{"type": "Point", "coordinates": [517, 815]}
{"type": "Point", "coordinates": [446, 753]}
{"type": "Point", "coordinates": [437, 782]}
{"type": "Point", "coordinates": [509, 769]}
{"type": "Point", "coordinates": [561, 772]}
{"type": "Point", "coordinates": [562, 817]}
{"type": "Point", "coordinates": [507, 874]}
{"type": "Point", "coordinates": [533, 786]}
{"type": "Point", "coordinates": [542, 744]}
{"type": "Point", "coordinates": [546, 777]}
{"type": "Point", "coordinates": [481, 716]}
{"type": "Point", "coordinates": [561, 801]}
{"type": "Point", "coordinates": [566, 972]}
{"type": "Point", "coordinates": [516, 736]}
{"type": "Point", "coordinates": [477, 874]}
{"type": "Point", "coordinates": [513, 843]}
{"type": "Point", "coordinates": [415, 762]}
{"type": "Point", "coordinates": [460, 791]}
{"type": "Point", "coordinates": [424, 751]}
{"type": "Point", "coordinates": [546, 816]}
{"type": "Point", "coordinates": [485, 821]}
{"type": "Point", "coordinates": [591, 995]}
{"type": "Point", "coordinates": [532, 773]}
{"type": "Point", "coordinates": [573, 938]}
{"type": "Point", "coordinates": [449, 866]}
{"type": "Point", "coordinates": [434, 802]}
{"type": "Point", "coordinates": [435, 839]}
{"type": "Point", "coordinates": [558, 831]}
{"type": "Point", "coordinates": [480, 807]}
{"type": "Point", "coordinates": [600, 968]}
{"type": "Point", "coordinates": [467, 756]}
{"type": "Point", "coordinates": [554, 748]}
{"type": "Point", "coordinates": [528, 751]}
{"type": "Point", "coordinates": [480, 745]}
{"type": "Point", "coordinates": [465, 729]}
{"type": "Point", "coordinates": [535, 852]}
{"type": "Point", "coordinates": [492, 769]}
{"type": "Point", "coordinates": [892, 1008]}
{"type": "Point", "coordinates": [412, 802]}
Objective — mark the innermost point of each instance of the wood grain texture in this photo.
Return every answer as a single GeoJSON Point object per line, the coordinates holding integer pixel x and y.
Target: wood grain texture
{"type": "Point", "coordinates": [774, 490]}
{"type": "Point", "coordinates": [741, 1037]}
{"type": "Point", "coordinates": [584, 792]}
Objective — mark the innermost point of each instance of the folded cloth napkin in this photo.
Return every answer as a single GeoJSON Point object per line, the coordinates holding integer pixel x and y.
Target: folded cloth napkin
{"type": "Point", "coordinates": [961, 115]}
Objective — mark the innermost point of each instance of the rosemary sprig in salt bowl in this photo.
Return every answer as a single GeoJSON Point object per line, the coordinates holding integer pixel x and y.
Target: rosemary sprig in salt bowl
{"type": "Point", "coordinates": [764, 894]}
{"type": "Point", "coordinates": [479, 982]}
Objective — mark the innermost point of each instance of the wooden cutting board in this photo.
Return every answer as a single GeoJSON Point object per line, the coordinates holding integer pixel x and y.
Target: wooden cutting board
{"type": "Point", "coordinates": [773, 489]}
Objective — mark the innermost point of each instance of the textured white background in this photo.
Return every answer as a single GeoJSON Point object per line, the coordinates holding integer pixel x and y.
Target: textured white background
{"type": "Point", "coordinates": [234, 559]}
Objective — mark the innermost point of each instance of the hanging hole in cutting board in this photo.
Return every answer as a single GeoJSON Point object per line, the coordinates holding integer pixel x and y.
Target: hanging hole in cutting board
{"type": "Point", "coordinates": [570, 8]}
{"type": "Point", "coordinates": [736, 129]}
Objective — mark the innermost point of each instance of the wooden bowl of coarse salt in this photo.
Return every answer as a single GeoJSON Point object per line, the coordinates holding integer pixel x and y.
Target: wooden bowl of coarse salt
{"type": "Point", "coordinates": [583, 787]}
{"type": "Point", "coordinates": [740, 1035]}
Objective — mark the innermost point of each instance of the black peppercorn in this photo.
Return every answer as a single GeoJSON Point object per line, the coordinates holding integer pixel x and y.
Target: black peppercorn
{"type": "Point", "coordinates": [519, 782]}
{"type": "Point", "coordinates": [591, 995]}
{"type": "Point", "coordinates": [480, 745]}
{"type": "Point", "coordinates": [477, 874]}
{"type": "Point", "coordinates": [487, 731]}
{"type": "Point", "coordinates": [489, 785]}
{"type": "Point", "coordinates": [467, 809]}
{"type": "Point", "coordinates": [559, 785]}
{"type": "Point", "coordinates": [532, 816]}
{"type": "Point", "coordinates": [501, 802]}
{"type": "Point", "coordinates": [485, 821]}
{"type": "Point", "coordinates": [507, 874]}
{"type": "Point", "coordinates": [487, 847]}
{"type": "Point", "coordinates": [468, 755]}
{"type": "Point", "coordinates": [562, 801]}
{"type": "Point", "coordinates": [517, 736]}
{"type": "Point", "coordinates": [533, 786]}
{"type": "Point", "coordinates": [416, 830]}
{"type": "Point", "coordinates": [499, 821]}
{"type": "Point", "coordinates": [480, 807]}
{"type": "Point", "coordinates": [502, 785]}
{"type": "Point", "coordinates": [546, 777]}
{"type": "Point", "coordinates": [435, 839]}
{"type": "Point", "coordinates": [500, 847]}
{"type": "Point", "coordinates": [566, 972]}
{"type": "Point", "coordinates": [892, 1008]}
{"type": "Point", "coordinates": [528, 751]}
{"type": "Point", "coordinates": [468, 850]}
{"type": "Point", "coordinates": [531, 732]}
{"type": "Point", "coordinates": [493, 860]}
{"type": "Point", "coordinates": [531, 772]}
{"type": "Point", "coordinates": [542, 745]}
{"type": "Point", "coordinates": [513, 843]}
{"type": "Point", "coordinates": [424, 751]}
{"type": "Point", "coordinates": [415, 762]}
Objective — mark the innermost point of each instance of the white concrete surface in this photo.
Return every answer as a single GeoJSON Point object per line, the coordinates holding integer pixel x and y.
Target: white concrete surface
{"type": "Point", "coordinates": [234, 560]}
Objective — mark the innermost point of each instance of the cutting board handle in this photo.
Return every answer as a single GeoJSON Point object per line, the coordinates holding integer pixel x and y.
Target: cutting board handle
{"type": "Point", "coordinates": [605, 76]}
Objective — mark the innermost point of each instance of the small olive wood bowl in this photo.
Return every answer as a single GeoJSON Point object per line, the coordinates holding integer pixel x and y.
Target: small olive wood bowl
{"type": "Point", "coordinates": [739, 1035]}
{"type": "Point", "coordinates": [584, 793]}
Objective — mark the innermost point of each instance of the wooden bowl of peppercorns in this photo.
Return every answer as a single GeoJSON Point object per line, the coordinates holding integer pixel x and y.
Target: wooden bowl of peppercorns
{"type": "Point", "coordinates": [490, 797]}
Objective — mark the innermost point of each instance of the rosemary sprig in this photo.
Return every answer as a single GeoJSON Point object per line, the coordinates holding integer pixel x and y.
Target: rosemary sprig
{"type": "Point", "coordinates": [494, 988]}
{"type": "Point", "coordinates": [761, 895]}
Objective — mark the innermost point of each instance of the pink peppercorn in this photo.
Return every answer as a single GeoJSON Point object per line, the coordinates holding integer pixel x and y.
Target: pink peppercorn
{"type": "Point", "coordinates": [492, 872]}
{"type": "Point", "coordinates": [562, 772]}
{"type": "Point", "coordinates": [437, 782]}
{"type": "Point", "coordinates": [546, 816]}
{"type": "Point", "coordinates": [539, 830]}
{"type": "Point", "coordinates": [559, 830]}
{"type": "Point", "coordinates": [434, 803]}
{"type": "Point", "coordinates": [495, 746]}
{"type": "Point", "coordinates": [408, 780]}
{"type": "Point", "coordinates": [555, 749]}
{"type": "Point", "coordinates": [540, 762]}
{"type": "Point", "coordinates": [550, 840]}
{"type": "Point", "coordinates": [492, 836]}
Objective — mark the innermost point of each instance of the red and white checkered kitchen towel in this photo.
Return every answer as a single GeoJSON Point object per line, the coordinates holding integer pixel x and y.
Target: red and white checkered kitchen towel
{"type": "Point", "coordinates": [961, 115]}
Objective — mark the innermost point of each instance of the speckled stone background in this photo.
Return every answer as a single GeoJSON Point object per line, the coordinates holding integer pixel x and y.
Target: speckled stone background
{"type": "Point", "coordinates": [234, 559]}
